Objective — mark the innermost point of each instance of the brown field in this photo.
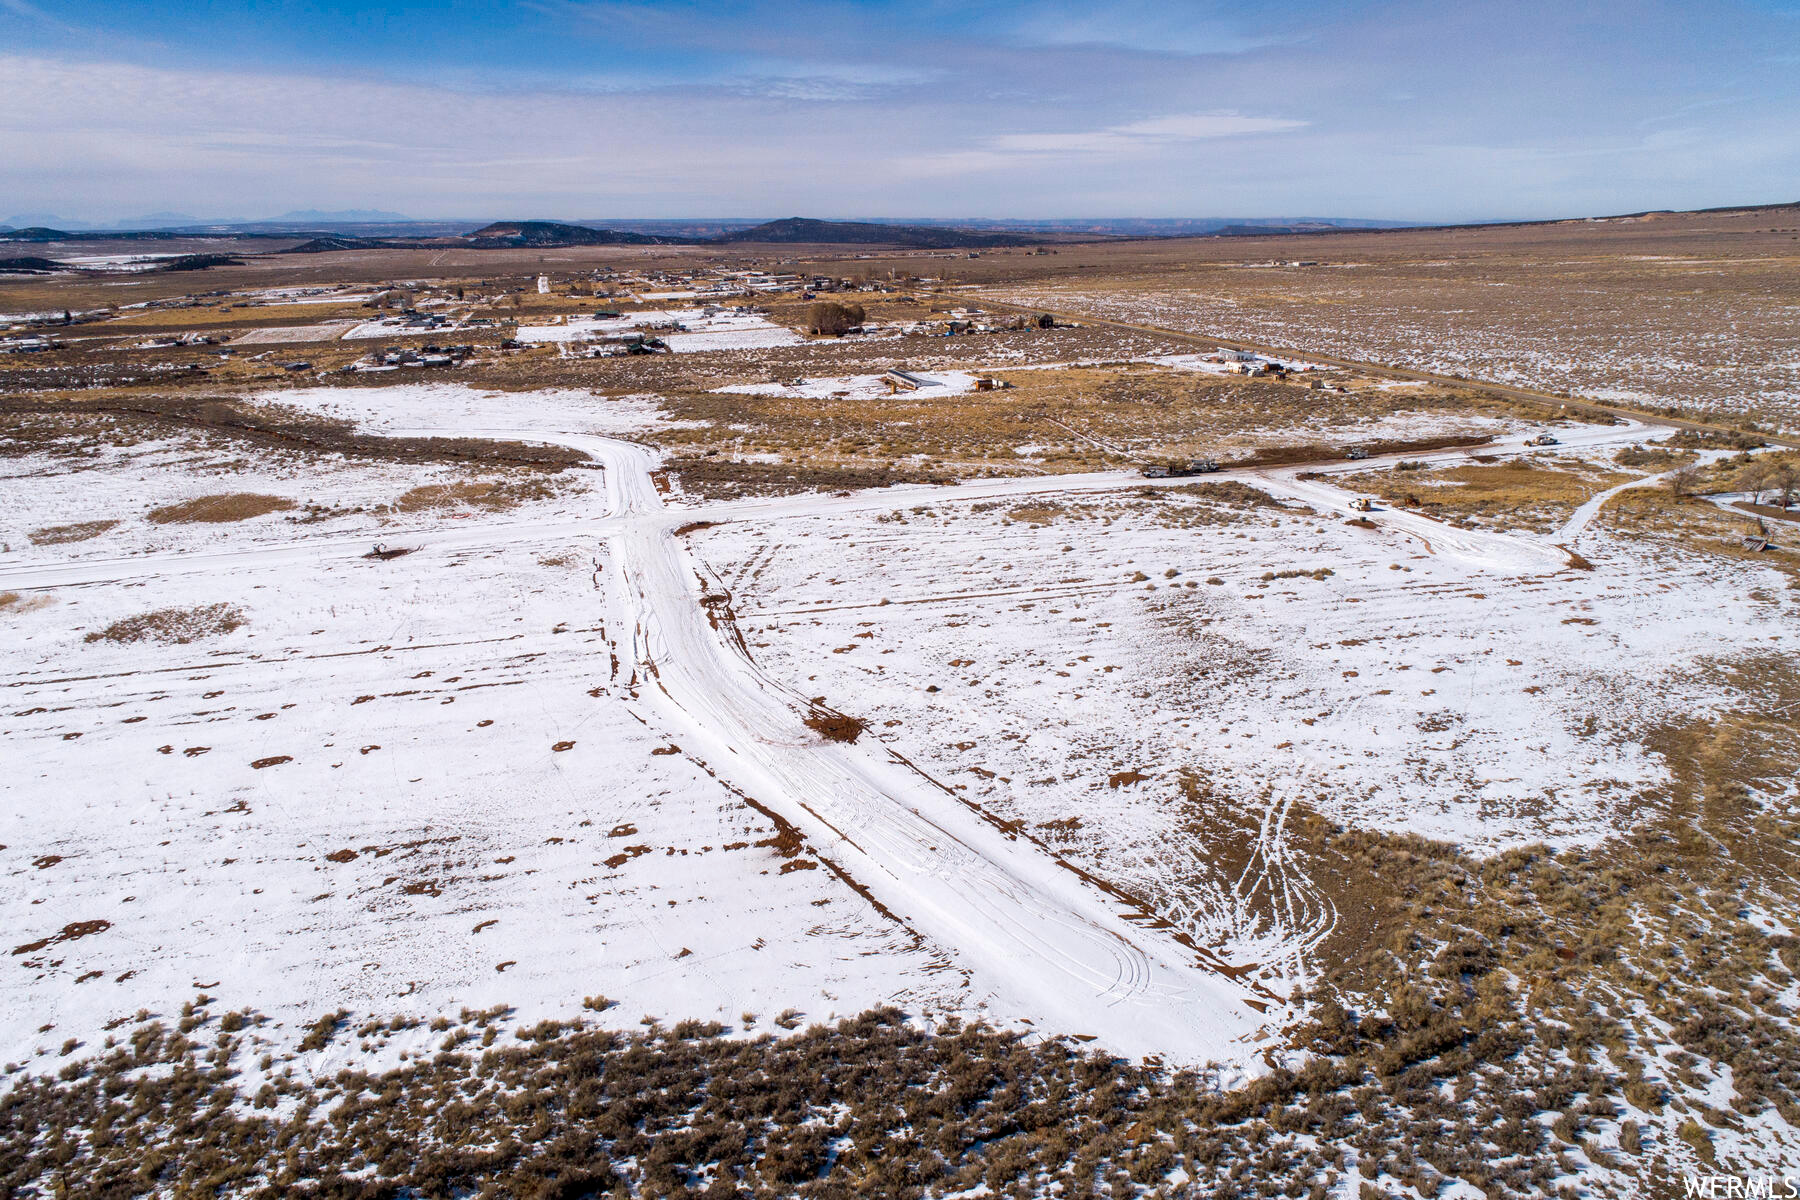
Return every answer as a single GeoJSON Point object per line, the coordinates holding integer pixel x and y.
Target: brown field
{"type": "Point", "coordinates": [1080, 419]}
{"type": "Point", "coordinates": [1684, 311]}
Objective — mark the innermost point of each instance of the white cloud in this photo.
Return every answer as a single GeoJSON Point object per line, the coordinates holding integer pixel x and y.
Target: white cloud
{"type": "Point", "coordinates": [31, 12]}
{"type": "Point", "coordinates": [1154, 136]}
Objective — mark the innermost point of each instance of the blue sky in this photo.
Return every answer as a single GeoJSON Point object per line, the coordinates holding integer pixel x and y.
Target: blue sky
{"type": "Point", "coordinates": [595, 108]}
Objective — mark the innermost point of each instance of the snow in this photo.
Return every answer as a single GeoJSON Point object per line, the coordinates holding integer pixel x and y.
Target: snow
{"type": "Point", "coordinates": [478, 844]}
{"type": "Point", "coordinates": [135, 261]}
{"type": "Point", "coordinates": [531, 761]}
{"type": "Point", "coordinates": [860, 387]}
{"type": "Point", "coordinates": [388, 327]}
{"type": "Point", "coordinates": [728, 329]}
{"type": "Point", "coordinates": [1021, 932]}
{"type": "Point", "coordinates": [329, 331]}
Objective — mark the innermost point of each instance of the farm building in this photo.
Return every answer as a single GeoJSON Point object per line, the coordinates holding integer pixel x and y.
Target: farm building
{"type": "Point", "coordinates": [904, 381]}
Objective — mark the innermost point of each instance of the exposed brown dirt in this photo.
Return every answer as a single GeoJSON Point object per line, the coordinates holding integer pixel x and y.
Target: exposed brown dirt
{"type": "Point", "coordinates": [220, 509]}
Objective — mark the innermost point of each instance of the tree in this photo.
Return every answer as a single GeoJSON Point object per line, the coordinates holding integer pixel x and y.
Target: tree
{"type": "Point", "coordinates": [828, 316]}
{"type": "Point", "coordinates": [1753, 477]}
{"type": "Point", "coordinates": [1785, 478]}
{"type": "Point", "coordinates": [1686, 481]}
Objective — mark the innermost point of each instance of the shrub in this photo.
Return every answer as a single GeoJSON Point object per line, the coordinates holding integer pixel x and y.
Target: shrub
{"type": "Point", "coordinates": [830, 317]}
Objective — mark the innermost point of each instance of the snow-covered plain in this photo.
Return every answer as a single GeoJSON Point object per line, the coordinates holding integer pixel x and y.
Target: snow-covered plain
{"type": "Point", "coordinates": [1475, 691]}
{"type": "Point", "coordinates": [963, 916]}
{"type": "Point", "coordinates": [530, 762]}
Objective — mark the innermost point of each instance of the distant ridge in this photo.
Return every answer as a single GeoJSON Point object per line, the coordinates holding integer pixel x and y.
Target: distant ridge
{"type": "Point", "coordinates": [29, 266]}
{"type": "Point", "coordinates": [805, 230]}
{"type": "Point", "coordinates": [1247, 230]}
{"type": "Point", "coordinates": [505, 234]}
{"type": "Point", "coordinates": [38, 233]}
{"type": "Point", "coordinates": [328, 243]}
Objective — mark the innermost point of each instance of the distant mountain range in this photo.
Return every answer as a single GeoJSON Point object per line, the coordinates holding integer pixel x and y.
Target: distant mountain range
{"type": "Point", "coordinates": [805, 231]}
{"type": "Point", "coordinates": [788, 231]}
{"type": "Point", "coordinates": [374, 229]}
{"type": "Point", "coordinates": [367, 229]}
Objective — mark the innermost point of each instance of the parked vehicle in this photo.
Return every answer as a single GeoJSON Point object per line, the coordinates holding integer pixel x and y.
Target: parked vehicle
{"type": "Point", "coordinates": [1175, 470]}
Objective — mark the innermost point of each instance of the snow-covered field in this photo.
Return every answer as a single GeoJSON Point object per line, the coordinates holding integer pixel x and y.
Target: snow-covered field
{"type": "Point", "coordinates": [727, 329]}
{"type": "Point", "coordinates": [531, 761]}
{"type": "Point", "coordinates": [405, 787]}
{"type": "Point", "coordinates": [860, 387]}
{"type": "Point", "coordinates": [387, 327]}
{"type": "Point", "coordinates": [1474, 690]}
{"type": "Point", "coordinates": [328, 331]}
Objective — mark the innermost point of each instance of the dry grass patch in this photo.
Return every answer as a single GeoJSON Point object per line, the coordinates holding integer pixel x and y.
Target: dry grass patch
{"type": "Point", "coordinates": [489, 495]}
{"type": "Point", "coordinates": [173, 626]}
{"type": "Point", "coordinates": [1509, 495]}
{"type": "Point", "coordinates": [835, 726]}
{"type": "Point", "coordinates": [220, 509]}
{"type": "Point", "coordinates": [1048, 421]}
{"type": "Point", "coordinates": [12, 602]}
{"type": "Point", "coordinates": [62, 535]}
